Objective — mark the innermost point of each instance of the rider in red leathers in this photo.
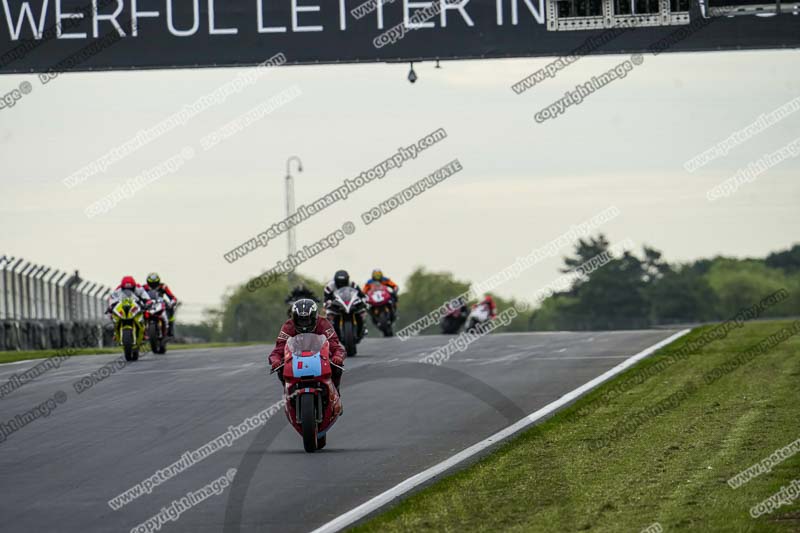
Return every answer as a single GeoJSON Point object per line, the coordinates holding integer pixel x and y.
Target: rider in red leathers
{"type": "Point", "coordinates": [305, 319]}
{"type": "Point", "coordinates": [154, 283]}
{"type": "Point", "coordinates": [488, 300]}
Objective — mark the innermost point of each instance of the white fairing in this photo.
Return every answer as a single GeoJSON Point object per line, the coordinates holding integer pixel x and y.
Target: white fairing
{"type": "Point", "coordinates": [480, 313]}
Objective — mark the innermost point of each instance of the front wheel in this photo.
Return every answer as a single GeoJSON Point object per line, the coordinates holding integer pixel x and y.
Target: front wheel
{"type": "Point", "coordinates": [349, 339]}
{"type": "Point", "coordinates": [385, 324]}
{"type": "Point", "coordinates": [127, 344]}
{"type": "Point", "coordinates": [153, 334]}
{"type": "Point", "coordinates": [308, 420]}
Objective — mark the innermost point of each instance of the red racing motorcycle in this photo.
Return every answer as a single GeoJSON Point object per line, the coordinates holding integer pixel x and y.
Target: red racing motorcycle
{"type": "Point", "coordinates": [312, 402]}
{"type": "Point", "coordinates": [381, 308]}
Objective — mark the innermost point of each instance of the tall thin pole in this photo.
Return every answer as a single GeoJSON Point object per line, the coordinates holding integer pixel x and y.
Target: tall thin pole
{"type": "Point", "coordinates": [290, 235]}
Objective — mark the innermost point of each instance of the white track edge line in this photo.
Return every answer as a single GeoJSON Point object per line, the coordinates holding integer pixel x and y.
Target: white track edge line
{"type": "Point", "coordinates": [352, 516]}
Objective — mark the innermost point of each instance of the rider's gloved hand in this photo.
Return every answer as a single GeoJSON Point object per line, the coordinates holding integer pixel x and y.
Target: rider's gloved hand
{"type": "Point", "coordinates": [275, 364]}
{"type": "Point", "coordinates": [337, 360]}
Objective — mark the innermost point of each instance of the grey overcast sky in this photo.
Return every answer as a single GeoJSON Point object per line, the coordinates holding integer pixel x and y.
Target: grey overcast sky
{"type": "Point", "coordinates": [523, 183]}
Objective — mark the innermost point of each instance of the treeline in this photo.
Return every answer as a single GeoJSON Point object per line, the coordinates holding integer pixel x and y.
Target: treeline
{"type": "Point", "coordinates": [628, 291]}
{"type": "Point", "coordinates": [636, 291]}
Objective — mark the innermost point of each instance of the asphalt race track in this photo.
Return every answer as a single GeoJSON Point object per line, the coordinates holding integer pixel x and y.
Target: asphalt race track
{"type": "Point", "coordinates": [401, 416]}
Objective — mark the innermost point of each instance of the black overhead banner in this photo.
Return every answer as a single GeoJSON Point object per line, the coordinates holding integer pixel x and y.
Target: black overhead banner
{"type": "Point", "coordinates": [75, 35]}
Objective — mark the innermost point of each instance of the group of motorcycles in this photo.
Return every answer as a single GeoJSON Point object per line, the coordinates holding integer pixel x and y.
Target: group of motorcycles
{"type": "Point", "coordinates": [312, 402]}
{"type": "Point", "coordinates": [459, 314]}
{"type": "Point", "coordinates": [347, 311]}
{"type": "Point", "coordinates": [134, 324]}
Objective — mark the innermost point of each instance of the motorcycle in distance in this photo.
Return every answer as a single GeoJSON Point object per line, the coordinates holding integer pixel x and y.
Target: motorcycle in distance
{"type": "Point", "coordinates": [311, 401]}
{"type": "Point", "coordinates": [479, 316]}
{"type": "Point", "coordinates": [455, 318]}
{"type": "Point", "coordinates": [380, 309]}
{"type": "Point", "coordinates": [157, 322]}
{"type": "Point", "coordinates": [128, 327]}
{"type": "Point", "coordinates": [344, 312]}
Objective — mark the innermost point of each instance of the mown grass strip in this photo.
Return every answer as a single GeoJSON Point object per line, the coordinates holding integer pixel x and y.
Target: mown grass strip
{"type": "Point", "coordinates": [10, 357]}
{"type": "Point", "coordinates": [658, 450]}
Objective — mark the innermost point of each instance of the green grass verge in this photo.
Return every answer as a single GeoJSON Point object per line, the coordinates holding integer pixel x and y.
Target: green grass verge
{"type": "Point", "coordinates": [10, 357]}
{"type": "Point", "coordinates": [671, 467]}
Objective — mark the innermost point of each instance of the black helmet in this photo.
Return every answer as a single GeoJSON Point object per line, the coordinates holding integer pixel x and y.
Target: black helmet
{"type": "Point", "coordinates": [153, 280]}
{"type": "Point", "coordinates": [304, 315]}
{"type": "Point", "coordinates": [341, 279]}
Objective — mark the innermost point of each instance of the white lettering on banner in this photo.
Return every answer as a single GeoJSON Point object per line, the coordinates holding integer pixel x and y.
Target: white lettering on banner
{"type": "Point", "coordinates": [35, 20]}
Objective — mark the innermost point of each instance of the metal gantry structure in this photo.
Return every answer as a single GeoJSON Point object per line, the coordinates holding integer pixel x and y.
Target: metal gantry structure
{"type": "Point", "coordinates": [39, 292]}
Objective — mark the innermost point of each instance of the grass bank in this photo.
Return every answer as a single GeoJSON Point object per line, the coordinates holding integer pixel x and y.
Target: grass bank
{"type": "Point", "coordinates": [655, 445]}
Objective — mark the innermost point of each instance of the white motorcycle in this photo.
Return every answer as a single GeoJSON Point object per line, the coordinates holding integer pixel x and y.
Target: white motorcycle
{"type": "Point", "coordinates": [480, 314]}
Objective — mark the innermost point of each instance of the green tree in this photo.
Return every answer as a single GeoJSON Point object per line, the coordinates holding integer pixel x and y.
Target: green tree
{"type": "Point", "coordinates": [787, 260]}
{"type": "Point", "coordinates": [681, 295]}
